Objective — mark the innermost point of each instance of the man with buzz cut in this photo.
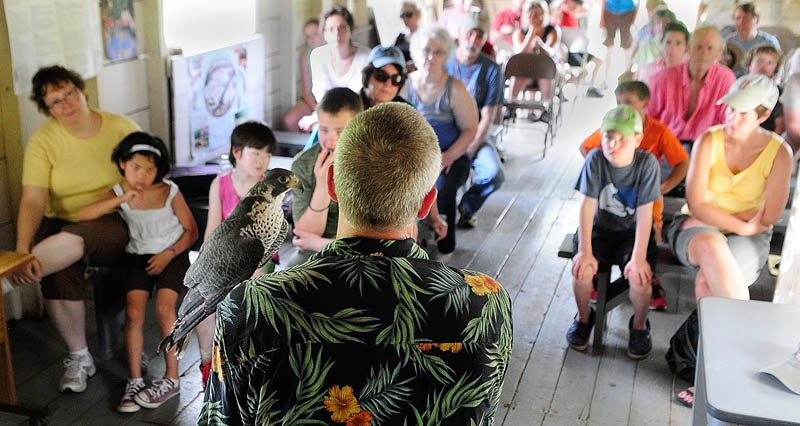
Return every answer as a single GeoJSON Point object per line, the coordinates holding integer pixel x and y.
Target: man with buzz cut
{"type": "Point", "coordinates": [484, 81]}
{"type": "Point", "coordinates": [369, 330]}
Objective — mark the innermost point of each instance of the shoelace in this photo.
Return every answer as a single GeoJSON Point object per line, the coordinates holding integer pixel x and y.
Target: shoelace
{"type": "Point", "coordinates": [161, 387]}
{"type": "Point", "coordinates": [132, 388]}
{"type": "Point", "coordinates": [73, 367]}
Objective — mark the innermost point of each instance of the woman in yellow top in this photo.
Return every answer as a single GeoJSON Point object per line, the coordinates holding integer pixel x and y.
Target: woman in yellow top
{"type": "Point", "coordinates": [66, 167]}
{"type": "Point", "coordinates": [737, 187]}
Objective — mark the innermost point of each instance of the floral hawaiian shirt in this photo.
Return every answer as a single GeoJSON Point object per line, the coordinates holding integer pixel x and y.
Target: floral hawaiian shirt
{"type": "Point", "coordinates": [367, 332]}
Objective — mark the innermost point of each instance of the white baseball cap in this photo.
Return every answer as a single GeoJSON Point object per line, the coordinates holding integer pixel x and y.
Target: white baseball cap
{"type": "Point", "coordinates": [750, 91]}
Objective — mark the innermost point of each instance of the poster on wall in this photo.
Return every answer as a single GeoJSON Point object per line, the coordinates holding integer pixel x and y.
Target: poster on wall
{"type": "Point", "coordinates": [48, 32]}
{"type": "Point", "coordinates": [119, 30]}
{"type": "Point", "coordinates": [217, 96]}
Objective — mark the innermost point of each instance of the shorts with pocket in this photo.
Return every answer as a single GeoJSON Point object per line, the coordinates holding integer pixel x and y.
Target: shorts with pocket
{"type": "Point", "coordinates": [750, 252]}
{"type": "Point", "coordinates": [623, 23]}
{"type": "Point", "coordinates": [104, 241]}
{"type": "Point", "coordinates": [171, 277]}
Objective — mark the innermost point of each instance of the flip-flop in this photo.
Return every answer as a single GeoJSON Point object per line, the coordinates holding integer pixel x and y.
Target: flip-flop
{"type": "Point", "coordinates": [686, 397]}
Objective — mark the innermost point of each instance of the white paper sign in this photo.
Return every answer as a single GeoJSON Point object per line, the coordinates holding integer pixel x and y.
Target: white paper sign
{"type": "Point", "coordinates": [50, 32]}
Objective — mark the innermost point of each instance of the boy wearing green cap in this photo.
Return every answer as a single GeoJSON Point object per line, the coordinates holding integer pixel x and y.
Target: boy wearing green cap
{"type": "Point", "coordinates": [619, 184]}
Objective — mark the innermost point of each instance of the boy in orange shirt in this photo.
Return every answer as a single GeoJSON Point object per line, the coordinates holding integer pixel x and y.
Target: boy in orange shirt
{"type": "Point", "coordinates": [658, 140]}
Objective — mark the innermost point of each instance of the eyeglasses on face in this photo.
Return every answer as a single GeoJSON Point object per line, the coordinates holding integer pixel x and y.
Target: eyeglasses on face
{"type": "Point", "coordinates": [339, 29]}
{"type": "Point", "coordinates": [406, 15]}
{"type": "Point", "coordinates": [438, 52]}
{"type": "Point", "coordinates": [59, 103]}
{"type": "Point", "coordinates": [383, 76]}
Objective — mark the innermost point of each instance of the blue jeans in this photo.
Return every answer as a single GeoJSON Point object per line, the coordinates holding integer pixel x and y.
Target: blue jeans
{"type": "Point", "coordinates": [489, 176]}
{"type": "Point", "coordinates": [447, 185]}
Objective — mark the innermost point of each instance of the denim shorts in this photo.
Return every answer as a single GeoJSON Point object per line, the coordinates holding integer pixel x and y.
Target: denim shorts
{"type": "Point", "coordinates": [750, 252]}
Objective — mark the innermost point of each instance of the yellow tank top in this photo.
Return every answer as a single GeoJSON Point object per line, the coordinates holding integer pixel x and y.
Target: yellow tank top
{"type": "Point", "coordinates": [734, 193]}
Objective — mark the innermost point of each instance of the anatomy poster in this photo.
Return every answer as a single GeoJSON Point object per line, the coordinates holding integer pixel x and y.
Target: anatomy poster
{"type": "Point", "coordinates": [218, 96]}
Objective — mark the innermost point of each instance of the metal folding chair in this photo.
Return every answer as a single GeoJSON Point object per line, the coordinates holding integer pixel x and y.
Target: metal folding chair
{"type": "Point", "coordinates": [535, 66]}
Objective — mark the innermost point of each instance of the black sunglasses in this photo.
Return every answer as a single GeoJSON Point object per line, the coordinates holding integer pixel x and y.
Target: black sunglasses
{"type": "Point", "coordinates": [406, 15]}
{"type": "Point", "coordinates": [383, 76]}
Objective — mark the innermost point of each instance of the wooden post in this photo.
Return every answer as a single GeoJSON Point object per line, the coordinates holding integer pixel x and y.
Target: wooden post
{"type": "Point", "coordinates": [8, 394]}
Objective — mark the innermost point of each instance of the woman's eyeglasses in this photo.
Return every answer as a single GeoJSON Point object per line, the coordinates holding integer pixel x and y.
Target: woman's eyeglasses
{"type": "Point", "coordinates": [383, 76]}
{"type": "Point", "coordinates": [406, 15]}
{"type": "Point", "coordinates": [68, 96]}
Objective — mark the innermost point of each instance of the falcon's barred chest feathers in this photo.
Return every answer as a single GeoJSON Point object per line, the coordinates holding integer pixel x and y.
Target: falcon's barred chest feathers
{"type": "Point", "coordinates": [242, 243]}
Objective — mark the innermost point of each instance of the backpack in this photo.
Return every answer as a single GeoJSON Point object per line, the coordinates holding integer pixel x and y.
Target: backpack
{"type": "Point", "coordinates": [682, 353]}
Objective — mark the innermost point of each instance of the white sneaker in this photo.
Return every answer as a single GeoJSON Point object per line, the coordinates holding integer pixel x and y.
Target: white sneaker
{"type": "Point", "coordinates": [77, 372]}
{"type": "Point", "coordinates": [158, 393]}
{"type": "Point", "coordinates": [127, 404]}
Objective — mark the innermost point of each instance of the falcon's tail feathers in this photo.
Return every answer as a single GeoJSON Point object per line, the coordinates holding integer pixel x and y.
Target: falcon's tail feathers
{"type": "Point", "coordinates": [182, 330]}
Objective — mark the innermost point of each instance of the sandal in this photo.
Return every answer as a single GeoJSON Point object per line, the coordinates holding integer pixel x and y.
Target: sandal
{"type": "Point", "coordinates": [686, 398]}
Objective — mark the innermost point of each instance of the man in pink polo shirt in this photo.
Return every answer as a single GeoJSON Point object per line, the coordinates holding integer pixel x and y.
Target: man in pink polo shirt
{"type": "Point", "coordinates": [684, 97]}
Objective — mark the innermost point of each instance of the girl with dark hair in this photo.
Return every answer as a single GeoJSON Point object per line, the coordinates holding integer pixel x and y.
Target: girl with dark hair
{"type": "Point", "coordinates": [161, 230]}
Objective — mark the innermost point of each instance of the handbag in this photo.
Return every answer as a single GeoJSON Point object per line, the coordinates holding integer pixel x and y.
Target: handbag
{"type": "Point", "coordinates": [682, 354]}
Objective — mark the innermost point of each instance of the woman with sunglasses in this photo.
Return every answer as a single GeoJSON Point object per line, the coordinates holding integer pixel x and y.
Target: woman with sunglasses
{"type": "Point", "coordinates": [410, 14]}
{"type": "Point", "coordinates": [65, 168]}
{"type": "Point", "coordinates": [449, 108]}
{"type": "Point", "coordinates": [383, 77]}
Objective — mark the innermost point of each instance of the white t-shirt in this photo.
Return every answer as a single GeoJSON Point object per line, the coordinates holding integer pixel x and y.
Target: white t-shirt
{"type": "Point", "coordinates": [719, 13]}
{"type": "Point", "coordinates": [791, 92]}
{"type": "Point", "coordinates": [324, 77]}
{"type": "Point", "coordinates": [151, 231]}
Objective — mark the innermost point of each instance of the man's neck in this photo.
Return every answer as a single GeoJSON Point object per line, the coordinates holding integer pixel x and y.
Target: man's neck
{"type": "Point", "coordinates": [465, 59]}
{"type": "Point", "coordinates": [346, 230]}
{"type": "Point", "coordinates": [748, 36]}
{"type": "Point", "coordinates": [697, 74]}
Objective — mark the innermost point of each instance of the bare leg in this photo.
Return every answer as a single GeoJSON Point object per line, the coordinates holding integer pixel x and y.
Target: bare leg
{"type": "Point", "coordinates": [582, 288]}
{"type": "Point", "coordinates": [718, 266]}
{"type": "Point", "coordinates": [58, 251]}
{"type": "Point", "coordinates": [69, 319]}
{"type": "Point", "coordinates": [609, 51]}
{"type": "Point", "coordinates": [165, 315]}
{"type": "Point", "coordinates": [701, 288]}
{"type": "Point", "coordinates": [640, 293]}
{"type": "Point", "coordinates": [517, 85]}
{"type": "Point", "coordinates": [136, 303]}
{"type": "Point", "coordinates": [294, 115]}
{"type": "Point", "coordinates": [628, 58]}
{"type": "Point", "coordinates": [205, 337]}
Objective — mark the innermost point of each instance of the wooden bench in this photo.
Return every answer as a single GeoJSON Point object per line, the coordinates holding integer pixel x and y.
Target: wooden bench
{"type": "Point", "coordinates": [609, 295]}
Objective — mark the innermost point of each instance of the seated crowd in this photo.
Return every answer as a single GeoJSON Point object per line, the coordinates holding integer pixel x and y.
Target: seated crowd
{"type": "Point", "coordinates": [717, 136]}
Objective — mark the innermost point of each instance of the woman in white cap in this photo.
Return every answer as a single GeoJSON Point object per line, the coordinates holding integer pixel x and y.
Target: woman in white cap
{"type": "Point", "coordinates": [737, 187]}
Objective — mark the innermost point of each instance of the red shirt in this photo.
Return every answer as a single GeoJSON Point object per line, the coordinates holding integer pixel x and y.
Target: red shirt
{"type": "Point", "coordinates": [506, 17]}
{"type": "Point", "coordinates": [669, 99]}
{"type": "Point", "coordinates": [656, 139]}
{"type": "Point", "coordinates": [567, 18]}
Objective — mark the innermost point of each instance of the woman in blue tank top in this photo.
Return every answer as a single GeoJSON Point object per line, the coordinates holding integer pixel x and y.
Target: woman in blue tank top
{"type": "Point", "coordinates": [448, 107]}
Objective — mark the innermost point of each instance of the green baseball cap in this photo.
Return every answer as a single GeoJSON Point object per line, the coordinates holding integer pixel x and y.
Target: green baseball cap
{"type": "Point", "coordinates": [623, 119]}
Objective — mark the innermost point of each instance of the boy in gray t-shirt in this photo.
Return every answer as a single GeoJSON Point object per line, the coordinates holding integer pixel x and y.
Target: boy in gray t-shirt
{"type": "Point", "coordinates": [619, 184]}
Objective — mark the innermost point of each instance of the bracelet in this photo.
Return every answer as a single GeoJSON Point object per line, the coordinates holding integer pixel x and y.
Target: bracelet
{"type": "Point", "coordinates": [172, 249]}
{"type": "Point", "coordinates": [318, 211]}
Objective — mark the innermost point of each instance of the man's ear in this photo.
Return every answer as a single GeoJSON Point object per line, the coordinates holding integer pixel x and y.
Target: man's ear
{"type": "Point", "coordinates": [331, 185]}
{"type": "Point", "coordinates": [427, 203]}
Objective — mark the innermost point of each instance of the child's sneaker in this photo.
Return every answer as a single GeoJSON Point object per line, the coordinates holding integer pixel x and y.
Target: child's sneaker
{"type": "Point", "coordinates": [127, 404]}
{"type": "Point", "coordinates": [76, 373]}
{"type": "Point", "coordinates": [639, 342]}
{"type": "Point", "coordinates": [205, 371]}
{"type": "Point", "coordinates": [658, 301]}
{"type": "Point", "coordinates": [158, 393]}
{"type": "Point", "coordinates": [578, 333]}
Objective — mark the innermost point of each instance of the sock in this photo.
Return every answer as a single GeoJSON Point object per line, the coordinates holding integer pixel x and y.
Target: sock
{"type": "Point", "coordinates": [174, 382]}
{"type": "Point", "coordinates": [136, 380]}
{"type": "Point", "coordinates": [81, 353]}
{"type": "Point", "coordinates": [205, 356]}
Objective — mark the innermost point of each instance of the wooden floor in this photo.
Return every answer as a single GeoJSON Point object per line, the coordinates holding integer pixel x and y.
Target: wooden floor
{"type": "Point", "coordinates": [519, 231]}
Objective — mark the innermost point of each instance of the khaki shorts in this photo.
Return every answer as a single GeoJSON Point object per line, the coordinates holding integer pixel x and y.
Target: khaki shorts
{"type": "Point", "coordinates": [104, 242]}
{"type": "Point", "coordinates": [622, 23]}
{"type": "Point", "coordinates": [750, 252]}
